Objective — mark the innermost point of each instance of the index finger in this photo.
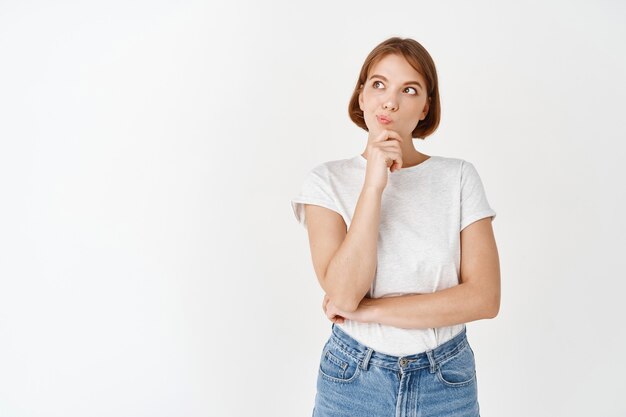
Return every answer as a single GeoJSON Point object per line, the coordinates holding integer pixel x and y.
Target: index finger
{"type": "Point", "coordinates": [395, 136]}
{"type": "Point", "coordinates": [388, 134]}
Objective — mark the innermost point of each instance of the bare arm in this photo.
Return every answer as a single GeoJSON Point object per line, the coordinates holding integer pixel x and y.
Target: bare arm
{"type": "Point", "coordinates": [352, 258]}
{"type": "Point", "coordinates": [345, 261]}
{"type": "Point", "coordinates": [351, 271]}
{"type": "Point", "coordinates": [476, 297]}
{"type": "Point", "coordinates": [462, 303]}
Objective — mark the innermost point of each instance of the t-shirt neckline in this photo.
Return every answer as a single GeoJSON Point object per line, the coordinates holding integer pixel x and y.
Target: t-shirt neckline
{"type": "Point", "coordinates": [363, 162]}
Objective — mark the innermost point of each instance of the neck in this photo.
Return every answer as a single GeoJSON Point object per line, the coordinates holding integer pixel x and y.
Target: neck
{"type": "Point", "coordinates": [410, 157]}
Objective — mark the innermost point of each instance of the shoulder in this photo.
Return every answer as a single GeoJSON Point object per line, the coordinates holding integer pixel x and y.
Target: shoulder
{"type": "Point", "coordinates": [459, 165]}
{"type": "Point", "coordinates": [331, 168]}
{"type": "Point", "coordinates": [449, 164]}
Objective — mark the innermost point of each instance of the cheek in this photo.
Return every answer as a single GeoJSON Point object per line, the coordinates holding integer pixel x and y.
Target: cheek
{"type": "Point", "coordinates": [371, 98]}
{"type": "Point", "coordinates": [367, 105]}
{"type": "Point", "coordinates": [416, 105]}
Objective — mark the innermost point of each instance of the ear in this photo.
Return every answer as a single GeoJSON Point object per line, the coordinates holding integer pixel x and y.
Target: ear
{"type": "Point", "coordinates": [361, 98]}
{"type": "Point", "coordinates": [426, 107]}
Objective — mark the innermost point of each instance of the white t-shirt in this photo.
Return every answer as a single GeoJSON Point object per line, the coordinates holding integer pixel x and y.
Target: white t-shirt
{"type": "Point", "coordinates": [423, 210]}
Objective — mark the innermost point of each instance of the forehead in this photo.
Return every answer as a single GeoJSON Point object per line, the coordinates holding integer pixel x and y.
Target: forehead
{"type": "Point", "coordinates": [395, 67]}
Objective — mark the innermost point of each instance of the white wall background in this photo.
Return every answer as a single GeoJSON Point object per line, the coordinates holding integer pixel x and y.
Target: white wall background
{"type": "Point", "coordinates": [150, 263]}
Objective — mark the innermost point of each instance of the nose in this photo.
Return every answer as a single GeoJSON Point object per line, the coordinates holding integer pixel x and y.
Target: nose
{"type": "Point", "coordinates": [390, 104]}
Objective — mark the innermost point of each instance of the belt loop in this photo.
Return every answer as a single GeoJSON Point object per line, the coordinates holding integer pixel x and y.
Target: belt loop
{"type": "Point", "coordinates": [366, 360]}
{"type": "Point", "coordinates": [431, 359]}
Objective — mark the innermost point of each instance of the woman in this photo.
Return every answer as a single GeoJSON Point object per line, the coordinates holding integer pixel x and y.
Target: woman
{"type": "Point", "coordinates": [386, 230]}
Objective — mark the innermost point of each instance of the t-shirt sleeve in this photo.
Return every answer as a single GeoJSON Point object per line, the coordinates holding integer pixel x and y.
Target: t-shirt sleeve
{"type": "Point", "coordinates": [315, 190]}
{"type": "Point", "coordinates": [474, 203]}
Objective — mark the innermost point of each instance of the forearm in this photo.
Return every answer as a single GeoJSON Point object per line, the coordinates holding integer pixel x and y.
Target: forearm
{"type": "Point", "coordinates": [461, 303]}
{"type": "Point", "coordinates": [351, 271]}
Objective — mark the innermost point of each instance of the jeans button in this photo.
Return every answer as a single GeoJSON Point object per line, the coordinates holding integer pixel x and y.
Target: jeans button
{"type": "Point", "coordinates": [403, 362]}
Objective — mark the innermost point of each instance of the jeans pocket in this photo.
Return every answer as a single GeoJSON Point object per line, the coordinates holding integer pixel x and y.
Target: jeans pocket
{"type": "Point", "coordinates": [337, 365]}
{"type": "Point", "coordinates": [459, 369]}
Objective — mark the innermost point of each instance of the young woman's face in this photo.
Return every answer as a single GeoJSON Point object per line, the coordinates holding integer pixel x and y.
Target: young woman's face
{"type": "Point", "coordinates": [396, 91]}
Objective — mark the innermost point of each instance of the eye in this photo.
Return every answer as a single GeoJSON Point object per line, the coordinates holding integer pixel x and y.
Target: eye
{"type": "Point", "coordinates": [412, 89]}
{"type": "Point", "coordinates": [374, 83]}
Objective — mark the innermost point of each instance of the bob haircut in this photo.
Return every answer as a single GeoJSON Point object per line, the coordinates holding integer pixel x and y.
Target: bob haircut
{"type": "Point", "coordinates": [417, 56]}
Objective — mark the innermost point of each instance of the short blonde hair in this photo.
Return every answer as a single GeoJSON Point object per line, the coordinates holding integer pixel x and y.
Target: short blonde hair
{"type": "Point", "coordinates": [417, 56]}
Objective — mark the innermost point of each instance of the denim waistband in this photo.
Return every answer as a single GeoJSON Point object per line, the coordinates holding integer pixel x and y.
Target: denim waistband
{"type": "Point", "coordinates": [367, 355]}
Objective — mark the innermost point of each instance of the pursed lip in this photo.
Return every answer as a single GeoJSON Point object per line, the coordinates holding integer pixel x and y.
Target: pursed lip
{"type": "Point", "coordinates": [382, 118]}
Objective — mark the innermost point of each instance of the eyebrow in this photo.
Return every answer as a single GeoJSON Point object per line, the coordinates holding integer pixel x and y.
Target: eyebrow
{"type": "Point", "coordinates": [406, 83]}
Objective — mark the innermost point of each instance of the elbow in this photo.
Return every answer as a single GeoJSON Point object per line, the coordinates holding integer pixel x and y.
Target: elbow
{"type": "Point", "coordinates": [487, 302]}
{"type": "Point", "coordinates": [349, 306]}
{"type": "Point", "coordinates": [493, 308]}
{"type": "Point", "coordinates": [345, 299]}
{"type": "Point", "coordinates": [346, 303]}
{"type": "Point", "coordinates": [492, 313]}
{"type": "Point", "coordinates": [488, 305]}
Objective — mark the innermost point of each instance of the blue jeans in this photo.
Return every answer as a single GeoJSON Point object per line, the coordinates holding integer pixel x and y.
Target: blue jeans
{"type": "Point", "coordinates": [356, 381]}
